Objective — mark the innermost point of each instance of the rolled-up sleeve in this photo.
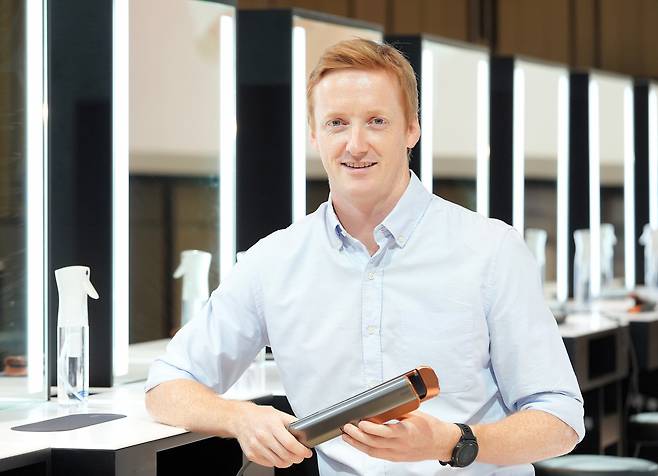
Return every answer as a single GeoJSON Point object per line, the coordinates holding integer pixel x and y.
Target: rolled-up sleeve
{"type": "Point", "coordinates": [218, 344]}
{"type": "Point", "coordinates": [528, 356]}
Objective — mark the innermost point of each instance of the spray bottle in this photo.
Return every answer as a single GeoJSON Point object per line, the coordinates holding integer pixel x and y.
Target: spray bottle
{"type": "Point", "coordinates": [535, 238]}
{"type": "Point", "coordinates": [608, 242]}
{"type": "Point", "coordinates": [581, 268]}
{"type": "Point", "coordinates": [649, 239]}
{"type": "Point", "coordinates": [73, 286]}
{"type": "Point", "coordinates": [194, 268]}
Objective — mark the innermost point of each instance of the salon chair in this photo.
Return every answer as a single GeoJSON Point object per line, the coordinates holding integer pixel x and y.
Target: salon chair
{"type": "Point", "coordinates": [595, 465]}
{"type": "Point", "coordinates": [643, 435]}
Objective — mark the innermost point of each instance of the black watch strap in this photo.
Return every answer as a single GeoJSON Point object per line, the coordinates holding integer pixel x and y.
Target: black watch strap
{"type": "Point", "coordinates": [467, 435]}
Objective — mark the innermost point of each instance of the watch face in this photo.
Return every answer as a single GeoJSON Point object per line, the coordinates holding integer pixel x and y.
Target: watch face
{"type": "Point", "coordinates": [466, 453]}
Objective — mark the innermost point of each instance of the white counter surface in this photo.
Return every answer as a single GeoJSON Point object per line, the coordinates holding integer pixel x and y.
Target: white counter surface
{"type": "Point", "coordinates": [135, 429]}
{"type": "Point", "coordinates": [581, 324]}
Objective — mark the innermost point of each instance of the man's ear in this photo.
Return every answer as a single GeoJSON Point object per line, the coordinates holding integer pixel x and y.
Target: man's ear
{"type": "Point", "coordinates": [413, 132]}
{"type": "Point", "coordinates": [313, 136]}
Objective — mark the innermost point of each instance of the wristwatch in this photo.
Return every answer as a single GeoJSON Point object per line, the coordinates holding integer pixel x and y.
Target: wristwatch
{"type": "Point", "coordinates": [466, 449]}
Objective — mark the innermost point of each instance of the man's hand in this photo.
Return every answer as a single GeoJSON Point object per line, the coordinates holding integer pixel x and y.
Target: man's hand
{"type": "Point", "coordinates": [417, 436]}
{"type": "Point", "coordinates": [264, 439]}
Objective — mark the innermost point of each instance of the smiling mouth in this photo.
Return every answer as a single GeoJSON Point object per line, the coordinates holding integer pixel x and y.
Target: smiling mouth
{"type": "Point", "coordinates": [358, 165]}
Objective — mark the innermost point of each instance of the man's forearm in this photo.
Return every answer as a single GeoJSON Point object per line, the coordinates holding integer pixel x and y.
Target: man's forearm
{"type": "Point", "coordinates": [524, 437]}
{"type": "Point", "coordinates": [191, 405]}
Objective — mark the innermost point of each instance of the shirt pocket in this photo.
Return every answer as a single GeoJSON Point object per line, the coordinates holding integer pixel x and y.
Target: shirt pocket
{"type": "Point", "coordinates": [443, 340]}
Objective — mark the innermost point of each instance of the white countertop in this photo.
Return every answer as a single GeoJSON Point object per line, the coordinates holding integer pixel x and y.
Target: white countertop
{"type": "Point", "coordinates": [128, 399]}
{"type": "Point", "coordinates": [136, 428]}
{"type": "Point", "coordinates": [583, 323]}
{"type": "Point", "coordinates": [605, 314]}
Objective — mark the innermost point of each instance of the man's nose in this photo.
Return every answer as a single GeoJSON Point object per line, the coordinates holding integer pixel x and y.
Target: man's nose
{"type": "Point", "coordinates": [357, 144]}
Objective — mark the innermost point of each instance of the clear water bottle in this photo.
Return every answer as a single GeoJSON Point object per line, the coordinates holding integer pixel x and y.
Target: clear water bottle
{"type": "Point", "coordinates": [72, 364]}
{"type": "Point", "coordinates": [73, 287]}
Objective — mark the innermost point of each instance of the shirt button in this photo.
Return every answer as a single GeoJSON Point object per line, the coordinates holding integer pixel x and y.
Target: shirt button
{"type": "Point", "coordinates": [372, 383]}
{"type": "Point", "coordinates": [401, 239]}
{"type": "Point", "coordinates": [371, 329]}
{"type": "Point", "coordinates": [371, 276]}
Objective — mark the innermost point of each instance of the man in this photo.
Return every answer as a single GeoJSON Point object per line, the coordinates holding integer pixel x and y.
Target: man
{"type": "Point", "coordinates": [380, 279]}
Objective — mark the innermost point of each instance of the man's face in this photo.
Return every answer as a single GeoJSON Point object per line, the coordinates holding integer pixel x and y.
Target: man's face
{"type": "Point", "coordinates": [362, 134]}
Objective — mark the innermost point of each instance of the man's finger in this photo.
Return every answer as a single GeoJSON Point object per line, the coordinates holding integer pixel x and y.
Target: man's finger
{"type": "Point", "coordinates": [367, 439]}
{"type": "Point", "coordinates": [369, 450]}
{"type": "Point", "coordinates": [385, 431]}
{"type": "Point", "coordinates": [291, 443]}
{"type": "Point", "coordinates": [266, 457]}
{"type": "Point", "coordinates": [284, 457]}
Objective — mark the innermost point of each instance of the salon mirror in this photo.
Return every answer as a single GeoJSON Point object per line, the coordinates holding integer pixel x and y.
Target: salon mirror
{"type": "Point", "coordinates": [22, 202]}
{"type": "Point", "coordinates": [614, 116]}
{"type": "Point", "coordinates": [313, 36]}
{"type": "Point", "coordinates": [456, 126]}
{"type": "Point", "coordinates": [542, 134]}
{"type": "Point", "coordinates": [181, 148]}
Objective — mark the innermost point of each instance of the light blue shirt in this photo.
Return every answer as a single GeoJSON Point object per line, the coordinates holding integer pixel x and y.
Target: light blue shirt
{"type": "Point", "coordinates": [447, 288]}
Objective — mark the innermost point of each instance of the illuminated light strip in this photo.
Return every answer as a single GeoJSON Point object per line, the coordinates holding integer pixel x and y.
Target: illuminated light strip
{"type": "Point", "coordinates": [629, 190]}
{"type": "Point", "coordinates": [35, 212]}
{"type": "Point", "coordinates": [594, 189]}
{"type": "Point", "coordinates": [298, 123]}
{"type": "Point", "coordinates": [518, 153]}
{"type": "Point", "coordinates": [653, 156]}
{"type": "Point", "coordinates": [120, 187]}
{"type": "Point", "coordinates": [227, 145]}
{"type": "Point", "coordinates": [563, 190]}
{"type": "Point", "coordinates": [427, 119]}
{"type": "Point", "coordinates": [482, 139]}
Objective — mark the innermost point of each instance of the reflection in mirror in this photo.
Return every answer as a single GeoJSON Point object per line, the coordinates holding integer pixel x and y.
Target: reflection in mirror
{"type": "Point", "coordinates": [182, 132]}
{"type": "Point", "coordinates": [456, 128]}
{"type": "Point", "coordinates": [313, 37]}
{"type": "Point", "coordinates": [22, 168]}
{"type": "Point", "coordinates": [543, 136]}
{"type": "Point", "coordinates": [616, 155]}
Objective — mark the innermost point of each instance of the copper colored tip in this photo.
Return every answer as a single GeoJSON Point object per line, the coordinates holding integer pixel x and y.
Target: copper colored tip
{"type": "Point", "coordinates": [430, 380]}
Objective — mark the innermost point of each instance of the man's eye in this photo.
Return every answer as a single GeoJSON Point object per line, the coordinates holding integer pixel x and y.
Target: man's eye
{"type": "Point", "coordinates": [378, 121]}
{"type": "Point", "coordinates": [335, 123]}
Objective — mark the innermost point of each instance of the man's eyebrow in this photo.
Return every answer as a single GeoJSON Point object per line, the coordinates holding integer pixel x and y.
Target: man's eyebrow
{"type": "Point", "coordinates": [337, 113]}
{"type": "Point", "coordinates": [331, 114]}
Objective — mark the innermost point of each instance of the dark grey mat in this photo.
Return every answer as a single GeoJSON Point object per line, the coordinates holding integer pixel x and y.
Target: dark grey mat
{"type": "Point", "coordinates": [69, 422]}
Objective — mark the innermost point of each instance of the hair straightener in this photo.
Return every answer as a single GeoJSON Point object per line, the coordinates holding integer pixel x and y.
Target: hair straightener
{"type": "Point", "coordinates": [387, 401]}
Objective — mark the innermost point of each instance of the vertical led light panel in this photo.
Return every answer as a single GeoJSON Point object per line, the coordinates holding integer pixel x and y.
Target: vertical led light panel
{"type": "Point", "coordinates": [518, 167]}
{"type": "Point", "coordinates": [482, 134]}
{"type": "Point", "coordinates": [427, 118]}
{"type": "Point", "coordinates": [563, 189]}
{"type": "Point", "coordinates": [36, 193]}
{"type": "Point", "coordinates": [120, 191]}
{"type": "Point", "coordinates": [653, 156]}
{"type": "Point", "coordinates": [227, 138]}
{"type": "Point", "coordinates": [629, 190]}
{"type": "Point", "coordinates": [594, 188]}
{"type": "Point", "coordinates": [299, 123]}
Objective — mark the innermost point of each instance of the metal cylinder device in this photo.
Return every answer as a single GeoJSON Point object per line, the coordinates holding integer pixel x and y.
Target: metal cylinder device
{"type": "Point", "coordinates": [387, 401]}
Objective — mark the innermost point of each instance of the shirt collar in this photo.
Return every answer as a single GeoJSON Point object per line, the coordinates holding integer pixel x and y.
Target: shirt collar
{"type": "Point", "coordinates": [334, 228]}
{"type": "Point", "coordinates": [407, 213]}
{"type": "Point", "coordinates": [400, 222]}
